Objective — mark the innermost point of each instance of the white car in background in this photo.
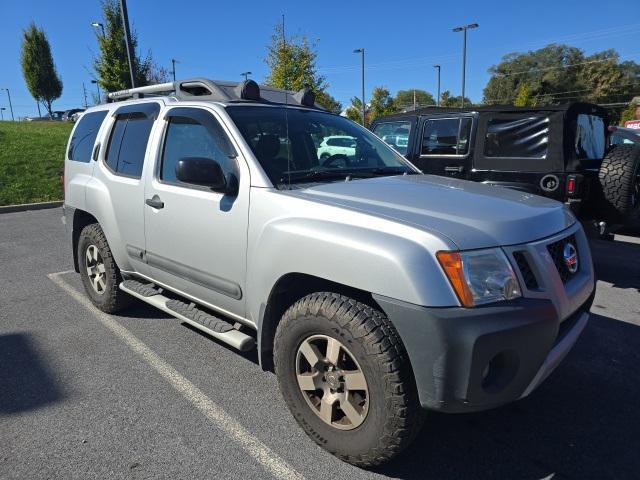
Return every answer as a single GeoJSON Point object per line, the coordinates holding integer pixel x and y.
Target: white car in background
{"type": "Point", "coordinates": [337, 144]}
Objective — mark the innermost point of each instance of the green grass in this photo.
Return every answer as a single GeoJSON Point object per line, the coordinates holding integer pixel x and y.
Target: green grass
{"type": "Point", "coordinates": [31, 159]}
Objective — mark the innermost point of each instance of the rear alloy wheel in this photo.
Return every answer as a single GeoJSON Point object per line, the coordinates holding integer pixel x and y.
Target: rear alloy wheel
{"type": "Point", "coordinates": [345, 375]}
{"type": "Point", "coordinates": [98, 270]}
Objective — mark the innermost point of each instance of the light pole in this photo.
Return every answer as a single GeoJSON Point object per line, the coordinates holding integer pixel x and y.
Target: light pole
{"type": "Point", "coordinates": [98, 87]}
{"type": "Point", "coordinates": [173, 68]}
{"type": "Point", "coordinates": [438, 97]}
{"type": "Point", "coordinates": [364, 105]}
{"type": "Point", "coordinates": [127, 40]}
{"type": "Point", "coordinates": [2, 109]}
{"type": "Point", "coordinates": [464, 29]}
{"type": "Point", "coordinates": [98, 24]}
{"type": "Point", "coordinates": [10, 105]}
{"type": "Point", "coordinates": [246, 75]}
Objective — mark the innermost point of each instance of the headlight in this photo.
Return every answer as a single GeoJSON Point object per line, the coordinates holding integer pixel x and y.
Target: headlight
{"type": "Point", "coordinates": [480, 276]}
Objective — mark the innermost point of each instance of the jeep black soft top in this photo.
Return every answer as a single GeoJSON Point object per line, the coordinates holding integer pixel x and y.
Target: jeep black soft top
{"type": "Point", "coordinates": [559, 151]}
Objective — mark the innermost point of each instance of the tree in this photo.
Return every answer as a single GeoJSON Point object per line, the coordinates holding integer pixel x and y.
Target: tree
{"type": "Point", "coordinates": [38, 68]}
{"type": "Point", "coordinates": [560, 73]}
{"type": "Point", "coordinates": [404, 99]}
{"type": "Point", "coordinates": [446, 100]}
{"type": "Point", "coordinates": [354, 111]}
{"type": "Point", "coordinates": [524, 97]}
{"type": "Point", "coordinates": [112, 66]}
{"type": "Point", "coordinates": [630, 112]}
{"type": "Point", "coordinates": [381, 104]}
{"type": "Point", "coordinates": [292, 66]}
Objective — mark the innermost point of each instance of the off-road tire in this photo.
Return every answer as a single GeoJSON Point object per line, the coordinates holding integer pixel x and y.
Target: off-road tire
{"type": "Point", "coordinates": [112, 299]}
{"type": "Point", "coordinates": [394, 417]}
{"type": "Point", "coordinates": [618, 177]}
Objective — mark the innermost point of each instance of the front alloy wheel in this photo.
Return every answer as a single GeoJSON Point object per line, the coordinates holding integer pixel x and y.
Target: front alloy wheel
{"type": "Point", "coordinates": [332, 382]}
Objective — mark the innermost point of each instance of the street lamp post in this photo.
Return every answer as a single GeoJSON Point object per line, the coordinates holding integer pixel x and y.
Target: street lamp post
{"type": "Point", "coordinates": [246, 75]}
{"type": "Point", "coordinates": [438, 97]}
{"type": "Point", "coordinates": [364, 105]}
{"type": "Point", "coordinates": [10, 105]}
{"type": "Point", "coordinates": [127, 40]}
{"type": "Point", "coordinates": [98, 24]}
{"type": "Point", "coordinates": [98, 87]}
{"type": "Point", "coordinates": [464, 29]}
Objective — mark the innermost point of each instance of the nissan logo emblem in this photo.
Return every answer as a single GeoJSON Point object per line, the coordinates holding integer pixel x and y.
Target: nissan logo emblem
{"type": "Point", "coordinates": [570, 256]}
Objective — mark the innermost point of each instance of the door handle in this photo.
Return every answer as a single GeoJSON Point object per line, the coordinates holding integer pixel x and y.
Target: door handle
{"type": "Point", "coordinates": [454, 169]}
{"type": "Point", "coordinates": [155, 202]}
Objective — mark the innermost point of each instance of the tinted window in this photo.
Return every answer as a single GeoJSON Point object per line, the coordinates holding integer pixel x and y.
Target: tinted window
{"type": "Point", "coordinates": [447, 136]}
{"type": "Point", "coordinates": [590, 137]}
{"type": "Point", "coordinates": [128, 143]}
{"type": "Point", "coordinates": [517, 138]}
{"type": "Point", "coordinates": [84, 136]}
{"type": "Point", "coordinates": [395, 134]}
{"type": "Point", "coordinates": [186, 137]}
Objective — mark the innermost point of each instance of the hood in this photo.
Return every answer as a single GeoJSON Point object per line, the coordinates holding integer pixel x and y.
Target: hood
{"type": "Point", "coordinates": [472, 215]}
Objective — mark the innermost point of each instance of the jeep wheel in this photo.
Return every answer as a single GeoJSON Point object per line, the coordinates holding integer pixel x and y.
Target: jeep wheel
{"type": "Point", "coordinates": [346, 378]}
{"type": "Point", "coordinates": [620, 180]}
{"type": "Point", "coordinates": [99, 272]}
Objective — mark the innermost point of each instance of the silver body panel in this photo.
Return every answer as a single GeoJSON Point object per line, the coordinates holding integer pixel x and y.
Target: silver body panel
{"type": "Point", "coordinates": [378, 235]}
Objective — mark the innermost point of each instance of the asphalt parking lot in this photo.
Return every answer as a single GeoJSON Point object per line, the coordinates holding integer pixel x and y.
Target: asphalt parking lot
{"type": "Point", "coordinates": [141, 395]}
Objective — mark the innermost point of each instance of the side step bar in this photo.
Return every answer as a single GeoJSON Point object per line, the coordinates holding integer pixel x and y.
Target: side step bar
{"type": "Point", "coordinates": [189, 313]}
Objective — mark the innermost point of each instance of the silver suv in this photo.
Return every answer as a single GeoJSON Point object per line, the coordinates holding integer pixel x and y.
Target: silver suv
{"type": "Point", "coordinates": [373, 291]}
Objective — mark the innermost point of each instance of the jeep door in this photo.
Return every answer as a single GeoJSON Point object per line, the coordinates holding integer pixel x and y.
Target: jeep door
{"type": "Point", "coordinates": [196, 237]}
{"type": "Point", "coordinates": [443, 146]}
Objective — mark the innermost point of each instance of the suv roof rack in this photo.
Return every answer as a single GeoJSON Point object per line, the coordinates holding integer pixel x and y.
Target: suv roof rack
{"type": "Point", "coordinates": [220, 91]}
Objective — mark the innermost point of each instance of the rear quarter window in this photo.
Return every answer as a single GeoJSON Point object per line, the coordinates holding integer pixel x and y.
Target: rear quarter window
{"type": "Point", "coordinates": [517, 137]}
{"type": "Point", "coordinates": [84, 136]}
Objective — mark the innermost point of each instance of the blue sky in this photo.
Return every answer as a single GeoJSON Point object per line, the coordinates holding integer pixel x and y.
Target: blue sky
{"type": "Point", "coordinates": [402, 39]}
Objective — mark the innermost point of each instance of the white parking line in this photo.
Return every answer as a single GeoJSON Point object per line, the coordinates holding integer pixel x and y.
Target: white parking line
{"type": "Point", "coordinates": [271, 462]}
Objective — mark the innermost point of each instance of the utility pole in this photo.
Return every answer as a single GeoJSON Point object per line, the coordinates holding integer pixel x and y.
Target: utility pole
{"type": "Point", "coordinates": [84, 92]}
{"type": "Point", "coordinates": [246, 75]}
{"type": "Point", "coordinates": [173, 68]}
{"type": "Point", "coordinates": [438, 97]}
{"type": "Point", "coordinates": [364, 104]}
{"type": "Point", "coordinates": [11, 106]}
{"type": "Point", "coordinates": [127, 40]}
{"type": "Point", "coordinates": [464, 29]}
{"type": "Point", "coordinates": [414, 99]}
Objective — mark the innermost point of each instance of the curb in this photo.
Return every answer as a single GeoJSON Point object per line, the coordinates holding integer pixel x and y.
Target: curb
{"type": "Point", "coordinates": [29, 206]}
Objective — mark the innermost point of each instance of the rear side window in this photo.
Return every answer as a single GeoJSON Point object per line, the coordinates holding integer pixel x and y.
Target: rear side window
{"type": "Point", "coordinates": [517, 138]}
{"type": "Point", "coordinates": [84, 136]}
{"type": "Point", "coordinates": [395, 134]}
{"type": "Point", "coordinates": [446, 136]}
{"type": "Point", "coordinates": [128, 143]}
{"type": "Point", "coordinates": [590, 137]}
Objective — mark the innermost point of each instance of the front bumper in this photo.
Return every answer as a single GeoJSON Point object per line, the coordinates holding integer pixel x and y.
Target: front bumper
{"type": "Point", "coordinates": [475, 359]}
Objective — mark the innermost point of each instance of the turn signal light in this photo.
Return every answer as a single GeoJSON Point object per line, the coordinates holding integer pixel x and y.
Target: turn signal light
{"type": "Point", "coordinates": [452, 265]}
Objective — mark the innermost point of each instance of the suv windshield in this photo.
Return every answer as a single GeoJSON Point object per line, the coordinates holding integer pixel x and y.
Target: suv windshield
{"type": "Point", "coordinates": [297, 146]}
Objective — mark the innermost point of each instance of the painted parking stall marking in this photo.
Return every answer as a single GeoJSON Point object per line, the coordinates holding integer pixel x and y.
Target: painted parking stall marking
{"type": "Point", "coordinates": [268, 459]}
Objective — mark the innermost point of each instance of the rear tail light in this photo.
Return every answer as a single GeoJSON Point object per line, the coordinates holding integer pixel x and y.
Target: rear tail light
{"type": "Point", "coordinates": [572, 184]}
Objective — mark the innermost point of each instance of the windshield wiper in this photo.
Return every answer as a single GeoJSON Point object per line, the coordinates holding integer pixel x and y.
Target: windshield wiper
{"type": "Point", "coordinates": [317, 174]}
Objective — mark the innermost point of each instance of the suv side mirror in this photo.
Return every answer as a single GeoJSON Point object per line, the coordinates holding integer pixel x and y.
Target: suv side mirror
{"type": "Point", "coordinates": [201, 171]}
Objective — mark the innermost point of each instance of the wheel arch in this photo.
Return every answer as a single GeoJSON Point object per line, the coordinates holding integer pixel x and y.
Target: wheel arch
{"type": "Point", "coordinates": [288, 289]}
{"type": "Point", "coordinates": [81, 219]}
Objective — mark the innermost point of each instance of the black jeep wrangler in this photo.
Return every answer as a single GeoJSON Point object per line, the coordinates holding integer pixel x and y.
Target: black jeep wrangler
{"type": "Point", "coordinates": [562, 152]}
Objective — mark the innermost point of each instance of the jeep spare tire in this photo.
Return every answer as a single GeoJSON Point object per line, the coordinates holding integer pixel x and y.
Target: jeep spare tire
{"type": "Point", "coordinates": [620, 181]}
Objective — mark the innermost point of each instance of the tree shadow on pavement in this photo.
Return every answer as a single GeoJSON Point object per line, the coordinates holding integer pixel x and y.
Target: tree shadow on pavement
{"type": "Point", "coordinates": [25, 380]}
{"type": "Point", "coordinates": [583, 422]}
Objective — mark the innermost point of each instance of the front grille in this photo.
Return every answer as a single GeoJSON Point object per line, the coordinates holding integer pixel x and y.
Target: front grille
{"type": "Point", "coordinates": [556, 250]}
{"type": "Point", "coordinates": [529, 278]}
